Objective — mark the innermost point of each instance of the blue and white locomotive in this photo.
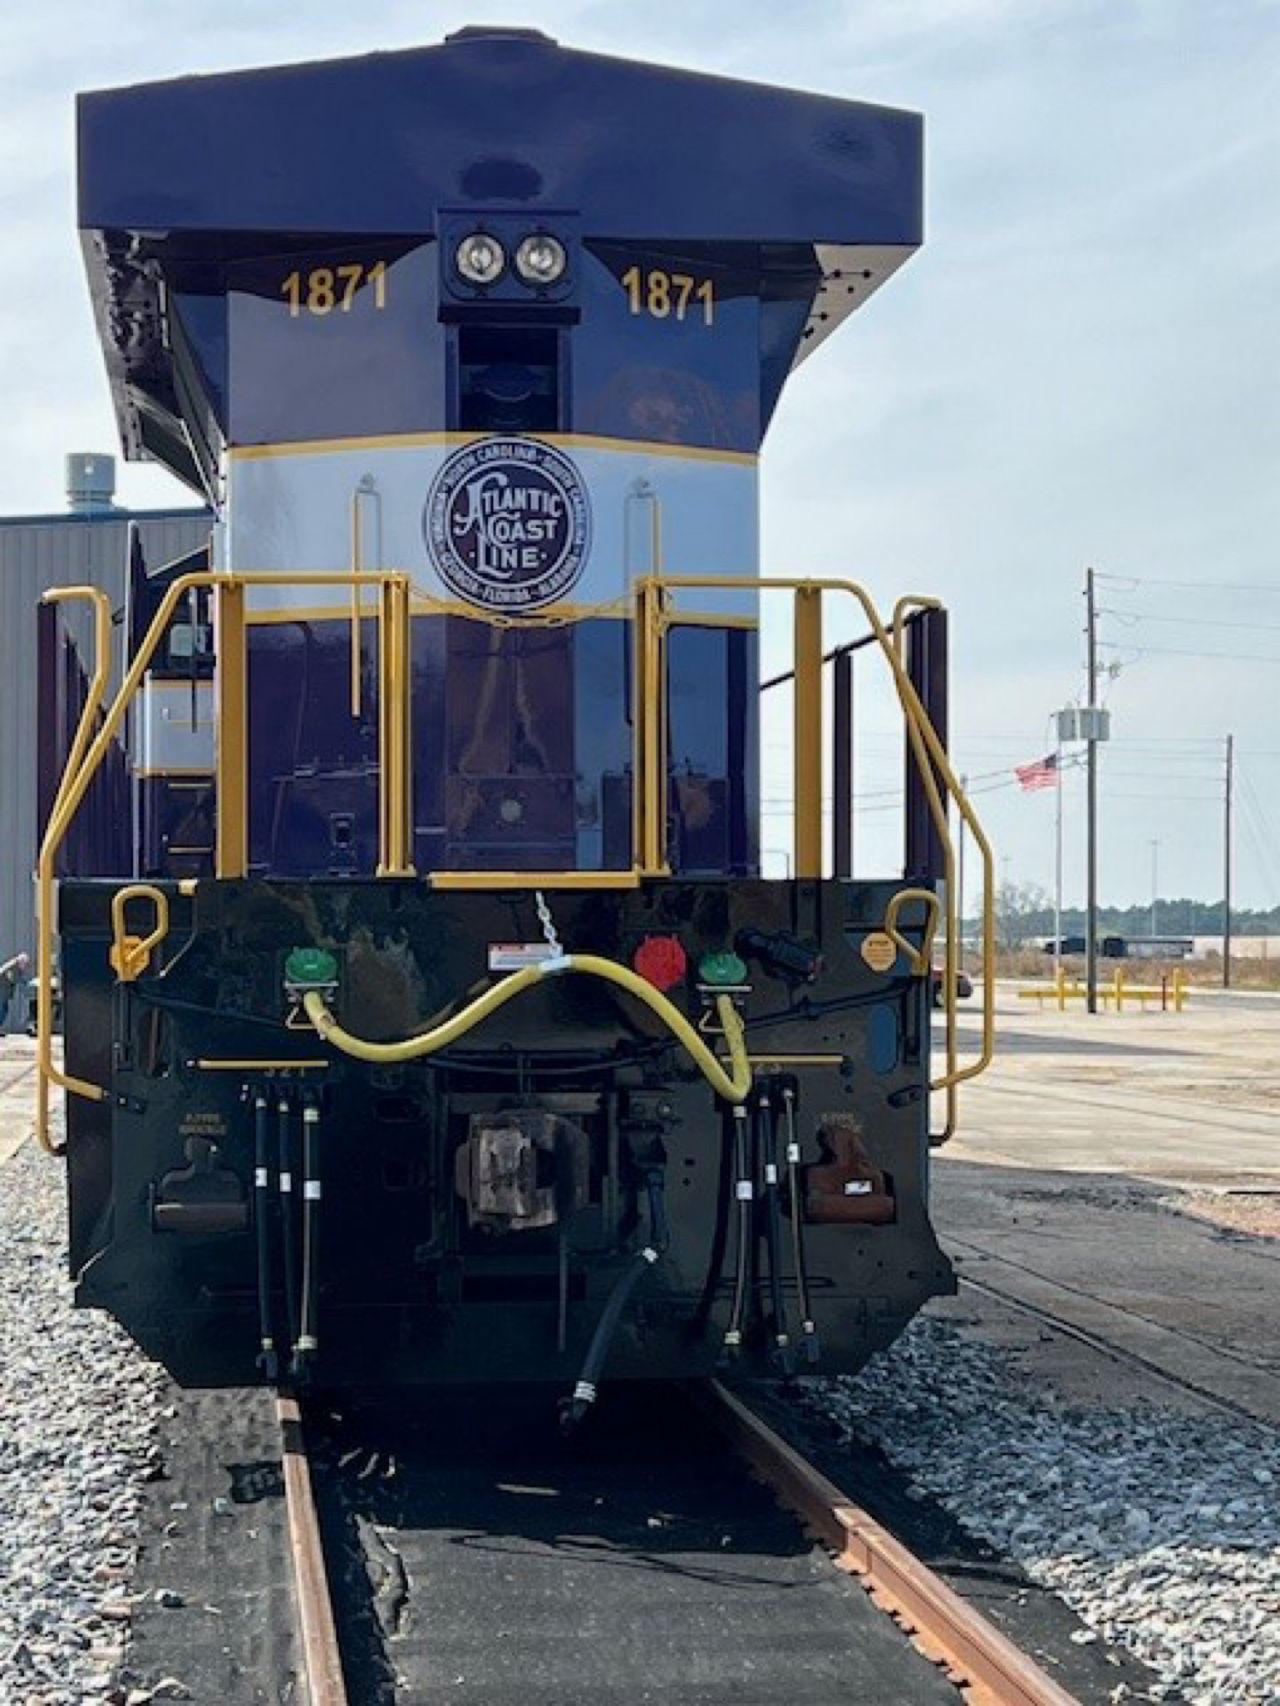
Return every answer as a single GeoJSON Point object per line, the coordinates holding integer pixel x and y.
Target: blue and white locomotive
{"type": "Point", "coordinates": [427, 1014]}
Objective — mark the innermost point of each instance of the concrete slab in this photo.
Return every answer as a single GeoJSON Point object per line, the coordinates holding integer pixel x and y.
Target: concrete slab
{"type": "Point", "coordinates": [17, 1093]}
{"type": "Point", "coordinates": [1110, 1258]}
{"type": "Point", "coordinates": [1188, 1099]}
{"type": "Point", "coordinates": [1061, 1194]}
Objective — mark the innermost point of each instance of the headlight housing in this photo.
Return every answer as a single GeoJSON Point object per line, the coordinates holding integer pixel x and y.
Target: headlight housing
{"type": "Point", "coordinates": [479, 258]}
{"type": "Point", "coordinates": [541, 259]}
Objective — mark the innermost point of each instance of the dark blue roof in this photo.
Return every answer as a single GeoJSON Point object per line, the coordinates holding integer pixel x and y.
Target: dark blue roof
{"type": "Point", "coordinates": [377, 144]}
{"type": "Point", "coordinates": [178, 178]}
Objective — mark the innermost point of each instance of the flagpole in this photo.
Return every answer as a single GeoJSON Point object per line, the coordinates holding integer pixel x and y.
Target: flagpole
{"type": "Point", "coordinates": [964, 786]}
{"type": "Point", "coordinates": [1057, 864]}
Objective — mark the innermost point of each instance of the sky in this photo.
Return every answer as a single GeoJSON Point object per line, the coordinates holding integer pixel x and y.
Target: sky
{"type": "Point", "coordinates": [1080, 368]}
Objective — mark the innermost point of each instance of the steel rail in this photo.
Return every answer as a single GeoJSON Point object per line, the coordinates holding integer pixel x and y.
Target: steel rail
{"type": "Point", "coordinates": [317, 1628]}
{"type": "Point", "coordinates": [982, 1661]}
{"type": "Point", "coordinates": [1122, 1355]}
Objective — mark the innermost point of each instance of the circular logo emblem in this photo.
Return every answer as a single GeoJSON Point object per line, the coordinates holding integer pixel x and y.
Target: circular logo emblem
{"type": "Point", "coordinates": [508, 524]}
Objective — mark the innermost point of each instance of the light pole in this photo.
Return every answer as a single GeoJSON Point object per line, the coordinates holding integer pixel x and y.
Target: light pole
{"type": "Point", "coordinates": [1155, 882]}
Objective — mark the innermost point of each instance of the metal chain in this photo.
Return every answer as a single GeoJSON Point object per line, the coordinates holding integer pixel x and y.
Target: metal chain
{"type": "Point", "coordinates": [547, 923]}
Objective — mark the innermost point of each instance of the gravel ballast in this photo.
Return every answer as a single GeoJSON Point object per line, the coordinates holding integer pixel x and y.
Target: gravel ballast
{"type": "Point", "coordinates": [78, 1412]}
{"type": "Point", "coordinates": [1159, 1526]}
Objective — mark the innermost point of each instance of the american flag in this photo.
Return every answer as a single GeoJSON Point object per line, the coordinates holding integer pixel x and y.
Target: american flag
{"type": "Point", "coordinates": [1042, 774]}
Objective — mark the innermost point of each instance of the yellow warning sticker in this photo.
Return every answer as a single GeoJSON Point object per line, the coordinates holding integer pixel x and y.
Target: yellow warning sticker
{"type": "Point", "coordinates": [879, 951]}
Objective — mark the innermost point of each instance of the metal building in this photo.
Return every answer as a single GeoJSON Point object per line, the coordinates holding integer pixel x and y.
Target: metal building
{"type": "Point", "coordinates": [87, 544]}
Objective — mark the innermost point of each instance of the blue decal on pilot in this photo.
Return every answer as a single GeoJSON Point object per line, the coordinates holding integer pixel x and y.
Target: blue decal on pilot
{"type": "Point", "coordinates": [508, 524]}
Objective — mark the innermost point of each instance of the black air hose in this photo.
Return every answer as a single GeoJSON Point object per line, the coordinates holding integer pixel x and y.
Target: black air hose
{"type": "Point", "coordinates": [773, 1232]}
{"type": "Point", "coordinates": [573, 1409]}
{"type": "Point", "coordinates": [267, 1359]}
{"type": "Point", "coordinates": [308, 1341]}
{"type": "Point", "coordinates": [744, 1192]}
{"type": "Point", "coordinates": [720, 1236]}
{"type": "Point", "coordinates": [288, 1218]}
{"type": "Point", "coordinates": [812, 1347]}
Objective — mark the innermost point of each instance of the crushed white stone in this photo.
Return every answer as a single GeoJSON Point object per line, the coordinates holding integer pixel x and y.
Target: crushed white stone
{"type": "Point", "coordinates": [1158, 1526]}
{"type": "Point", "coordinates": [78, 1413]}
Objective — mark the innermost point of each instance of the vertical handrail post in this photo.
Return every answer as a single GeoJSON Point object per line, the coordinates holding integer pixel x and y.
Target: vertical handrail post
{"type": "Point", "coordinates": [842, 764]}
{"type": "Point", "coordinates": [385, 700]}
{"type": "Point", "coordinates": [650, 728]}
{"type": "Point", "coordinates": [231, 761]}
{"type": "Point", "coordinates": [395, 814]}
{"type": "Point", "coordinates": [357, 567]}
{"type": "Point", "coordinates": [807, 734]}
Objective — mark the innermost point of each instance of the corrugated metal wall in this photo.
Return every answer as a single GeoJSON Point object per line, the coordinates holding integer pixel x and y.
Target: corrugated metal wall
{"type": "Point", "coordinates": [35, 554]}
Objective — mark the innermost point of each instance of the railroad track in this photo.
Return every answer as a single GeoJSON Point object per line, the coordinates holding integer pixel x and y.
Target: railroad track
{"type": "Point", "coordinates": [968, 1651]}
{"type": "Point", "coordinates": [1120, 1353]}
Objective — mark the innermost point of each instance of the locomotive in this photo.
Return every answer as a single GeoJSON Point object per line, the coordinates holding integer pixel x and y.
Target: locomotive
{"type": "Point", "coordinates": [428, 1017]}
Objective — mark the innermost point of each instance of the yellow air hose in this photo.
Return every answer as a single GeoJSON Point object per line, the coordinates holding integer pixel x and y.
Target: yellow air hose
{"type": "Point", "coordinates": [732, 1086]}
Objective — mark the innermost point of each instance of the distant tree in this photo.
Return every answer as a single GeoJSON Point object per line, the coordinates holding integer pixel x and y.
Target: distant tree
{"type": "Point", "coordinates": [1020, 912]}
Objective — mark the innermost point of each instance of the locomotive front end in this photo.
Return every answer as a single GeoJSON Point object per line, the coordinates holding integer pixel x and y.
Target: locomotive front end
{"type": "Point", "coordinates": [439, 1023]}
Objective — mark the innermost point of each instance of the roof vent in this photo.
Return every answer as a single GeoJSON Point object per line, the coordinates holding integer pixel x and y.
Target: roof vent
{"type": "Point", "coordinates": [91, 483]}
{"type": "Point", "coordinates": [499, 32]}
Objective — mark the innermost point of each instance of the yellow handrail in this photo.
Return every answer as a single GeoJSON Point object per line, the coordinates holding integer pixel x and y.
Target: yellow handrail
{"type": "Point", "coordinates": [921, 729]}
{"type": "Point", "coordinates": [90, 753]}
{"type": "Point", "coordinates": [922, 957]}
{"type": "Point", "coordinates": [131, 955]}
{"type": "Point", "coordinates": [46, 1072]}
{"type": "Point", "coordinates": [654, 616]}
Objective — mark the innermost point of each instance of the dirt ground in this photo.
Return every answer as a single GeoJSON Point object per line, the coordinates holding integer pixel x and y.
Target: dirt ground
{"type": "Point", "coordinates": [1256, 1213]}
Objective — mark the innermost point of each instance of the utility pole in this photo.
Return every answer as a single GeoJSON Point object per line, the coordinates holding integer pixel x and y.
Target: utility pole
{"type": "Point", "coordinates": [1155, 883]}
{"type": "Point", "coordinates": [1091, 809]}
{"type": "Point", "coordinates": [1057, 855]}
{"type": "Point", "coordinates": [1226, 862]}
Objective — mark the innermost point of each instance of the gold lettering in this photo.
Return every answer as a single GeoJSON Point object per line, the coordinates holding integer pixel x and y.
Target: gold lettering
{"type": "Point", "coordinates": [663, 295]}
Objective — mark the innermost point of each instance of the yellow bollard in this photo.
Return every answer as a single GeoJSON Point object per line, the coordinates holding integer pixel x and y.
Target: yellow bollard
{"type": "Point", "coordinates": [1118, 986]}
{"type": "Point", "coordinates": [1179, 990]}
{"type": "Point", "coordinates": [1061, 981]}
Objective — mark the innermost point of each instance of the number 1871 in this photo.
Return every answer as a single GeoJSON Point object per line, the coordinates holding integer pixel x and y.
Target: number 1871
{"type": "Point", "coordinates": [668, 295]}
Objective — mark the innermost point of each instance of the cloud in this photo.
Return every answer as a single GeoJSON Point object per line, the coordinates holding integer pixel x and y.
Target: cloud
{"type": "Point", "coordinates": [1079, 367]}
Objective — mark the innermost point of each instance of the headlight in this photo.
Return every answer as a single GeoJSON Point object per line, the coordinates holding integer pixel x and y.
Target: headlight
{"type": "Point", "coordinates": [479, 258]}
{"type": "Point", "coordinates": [541, 259]}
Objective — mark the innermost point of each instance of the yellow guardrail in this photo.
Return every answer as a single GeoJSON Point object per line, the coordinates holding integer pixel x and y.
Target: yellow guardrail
{"type": "Point", "coordinates": [89, 749]}
{"type": "Point", "coordinates": [655, 616]}
{"type": "Point", "coordinates": [1172, 992]}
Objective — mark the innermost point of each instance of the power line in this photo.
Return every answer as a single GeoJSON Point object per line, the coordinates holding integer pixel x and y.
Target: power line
{"type": "Point", "coordinates": [1200, 798]}
{"type": "Point", "coordinates": [1199, 586]}
{"type": "Point", "coordinates": [1189, 621]}
{"type": "Point", "coordinates": [1175, 652]}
